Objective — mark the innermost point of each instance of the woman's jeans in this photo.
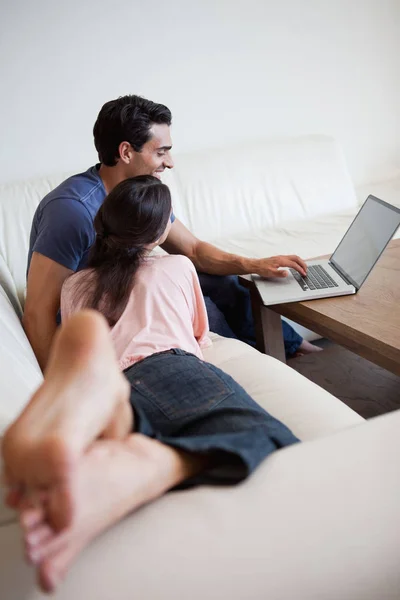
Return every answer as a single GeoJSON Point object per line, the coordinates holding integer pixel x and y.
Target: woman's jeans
{"type": "Point", "coordinates": [193, 406]}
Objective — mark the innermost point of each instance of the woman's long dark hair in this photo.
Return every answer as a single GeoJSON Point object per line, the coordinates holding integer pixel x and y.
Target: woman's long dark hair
{"type": "Point", "coordinates": [134, 215]}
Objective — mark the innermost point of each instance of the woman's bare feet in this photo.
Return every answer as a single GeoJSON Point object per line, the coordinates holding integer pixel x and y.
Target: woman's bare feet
{"type": "Point", "coordinates": [83, 396]}
{"type": "Point", "coordinates": [112, 479]}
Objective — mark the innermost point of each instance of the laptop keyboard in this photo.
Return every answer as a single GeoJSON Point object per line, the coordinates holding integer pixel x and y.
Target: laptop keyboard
{"type": "Point", "coordinates": [316, 279]}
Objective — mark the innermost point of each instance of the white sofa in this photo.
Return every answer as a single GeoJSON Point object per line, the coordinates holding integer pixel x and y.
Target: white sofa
{"type": "Point", "coordinates": [316, 521]}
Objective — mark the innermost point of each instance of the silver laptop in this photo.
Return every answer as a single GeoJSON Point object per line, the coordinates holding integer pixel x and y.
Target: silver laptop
{"type": "Point", "coordinates": [348, 267]}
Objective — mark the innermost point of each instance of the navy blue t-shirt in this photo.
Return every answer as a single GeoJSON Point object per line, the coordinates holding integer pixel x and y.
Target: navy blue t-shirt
{"type": "Point", "coordinates": [62, 227]}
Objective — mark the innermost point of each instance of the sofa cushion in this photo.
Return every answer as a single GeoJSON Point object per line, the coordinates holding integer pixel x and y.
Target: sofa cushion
{"type": "Point", "coordinates": [18, 202]}
{"type": "Point", "coordinates": [308, 410]}
{"type": "Point", "coordinates": [388, 190]}
{"type": "Point", "coordinates": [20, 374]}
{"type": "Point", "coordinates": [316, 521]}
{"type": "Point", "coordinates": [8, 286]}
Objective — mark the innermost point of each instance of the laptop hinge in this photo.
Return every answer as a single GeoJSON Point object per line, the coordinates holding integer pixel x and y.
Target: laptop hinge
{"type": "Point", "coordinates": [341, 274]}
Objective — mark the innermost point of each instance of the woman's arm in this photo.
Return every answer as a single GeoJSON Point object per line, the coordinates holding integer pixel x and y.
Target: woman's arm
{"type": "Point", "coordinates": [200, 318]}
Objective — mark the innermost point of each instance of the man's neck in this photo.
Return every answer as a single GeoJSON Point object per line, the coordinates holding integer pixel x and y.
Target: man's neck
{"type": "Point", "coordinates": [111, 176]}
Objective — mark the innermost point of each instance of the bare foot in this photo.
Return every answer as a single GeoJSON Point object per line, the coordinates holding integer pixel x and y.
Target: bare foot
{"type": "Point", "coordinates": [83, 395]}
{"type": "Point", "coordinates": [112, 479]}
{"type": "Point", "coordinates": [307, 348]}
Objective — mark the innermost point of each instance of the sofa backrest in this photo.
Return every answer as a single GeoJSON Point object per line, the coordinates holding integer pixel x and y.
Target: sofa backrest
{"type": "Point", "coordinates": [240, 190]}
{"type": "Point", "coordinates": [217, 194]}
{"type": "Point", "coordinates": [18, 202]}
{"type": "Point", "coordinates": [20, 374]}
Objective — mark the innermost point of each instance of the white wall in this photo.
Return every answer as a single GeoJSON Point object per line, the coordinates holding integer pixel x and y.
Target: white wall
{"type": "Point", "coordinates": [229, 70]}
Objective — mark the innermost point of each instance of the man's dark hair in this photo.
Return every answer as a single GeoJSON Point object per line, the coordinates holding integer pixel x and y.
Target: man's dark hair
{"type": "Point", "coordinates": [126, 119]}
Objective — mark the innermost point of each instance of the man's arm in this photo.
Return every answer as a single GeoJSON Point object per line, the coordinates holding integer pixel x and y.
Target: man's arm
{"type": "Point", "coordinates": [209, 259]}
{"type": "Point", "coordinates": [45, 280]}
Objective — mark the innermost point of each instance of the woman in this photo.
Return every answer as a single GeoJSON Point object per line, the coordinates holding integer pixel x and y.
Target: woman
{"type": "Point", "coordinates": [156, 310]}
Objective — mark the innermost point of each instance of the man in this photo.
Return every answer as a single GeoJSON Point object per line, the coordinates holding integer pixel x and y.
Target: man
{"type": "Point", "coordinates": [132, 137]}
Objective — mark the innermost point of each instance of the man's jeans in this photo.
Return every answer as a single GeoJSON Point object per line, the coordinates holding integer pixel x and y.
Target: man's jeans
{"type": "Point", "coordinates": [229, 311]}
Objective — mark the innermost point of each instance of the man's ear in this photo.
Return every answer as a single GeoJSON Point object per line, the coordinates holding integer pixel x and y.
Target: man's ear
{"type": "Point", "coordinates": [125, 152]}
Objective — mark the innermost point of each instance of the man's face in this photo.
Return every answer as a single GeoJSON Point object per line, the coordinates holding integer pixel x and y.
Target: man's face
{"type": "Point", "coordinates": [155, 155]}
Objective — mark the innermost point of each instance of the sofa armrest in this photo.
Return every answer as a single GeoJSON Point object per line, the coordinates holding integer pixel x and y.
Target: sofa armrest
{"type": "Point", "coordinates": [317, 520]}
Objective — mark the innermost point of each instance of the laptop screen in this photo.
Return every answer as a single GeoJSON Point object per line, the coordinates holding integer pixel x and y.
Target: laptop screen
{"type": "Point", "coordinates": [366, 239]}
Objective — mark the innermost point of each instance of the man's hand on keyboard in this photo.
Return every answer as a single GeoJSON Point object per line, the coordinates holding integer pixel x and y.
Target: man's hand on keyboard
{"type": "Point", "coordinates": [272, 267]}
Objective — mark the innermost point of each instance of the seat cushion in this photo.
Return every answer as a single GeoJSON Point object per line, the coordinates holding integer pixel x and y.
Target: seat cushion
{"type": "Point", "coordinates": [308, 410]}
{"type": "Point", "coordinates": [316, 521]}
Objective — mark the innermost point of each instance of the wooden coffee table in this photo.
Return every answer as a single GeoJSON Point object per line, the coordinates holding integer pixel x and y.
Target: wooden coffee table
{"type": "Point", "coordinates": [368, 323]}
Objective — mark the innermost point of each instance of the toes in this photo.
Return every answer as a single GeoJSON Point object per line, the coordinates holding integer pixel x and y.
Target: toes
{"type": "Point", "coordinates": [50, 545]}
{"type": "Point", "coordinates": [53, 508]}
{"type": "Point", "coordinates": [38, 536]}
{"type": "Point", "coordinates": [53, 570]}
{"type": "Point", "coordinates": [46, 579]}
{"type": "Point", "coordinates": [31, 517]}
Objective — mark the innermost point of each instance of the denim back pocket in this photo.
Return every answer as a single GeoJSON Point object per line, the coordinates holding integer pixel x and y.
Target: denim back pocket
{"type": "Point", "coordinates": [179, 385]}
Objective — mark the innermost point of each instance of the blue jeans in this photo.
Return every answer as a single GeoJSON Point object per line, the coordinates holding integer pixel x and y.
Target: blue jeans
{"type": "Point", "coordinates": [229, 311]}
{"type": "Point", "coordinates": [193, 406]}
